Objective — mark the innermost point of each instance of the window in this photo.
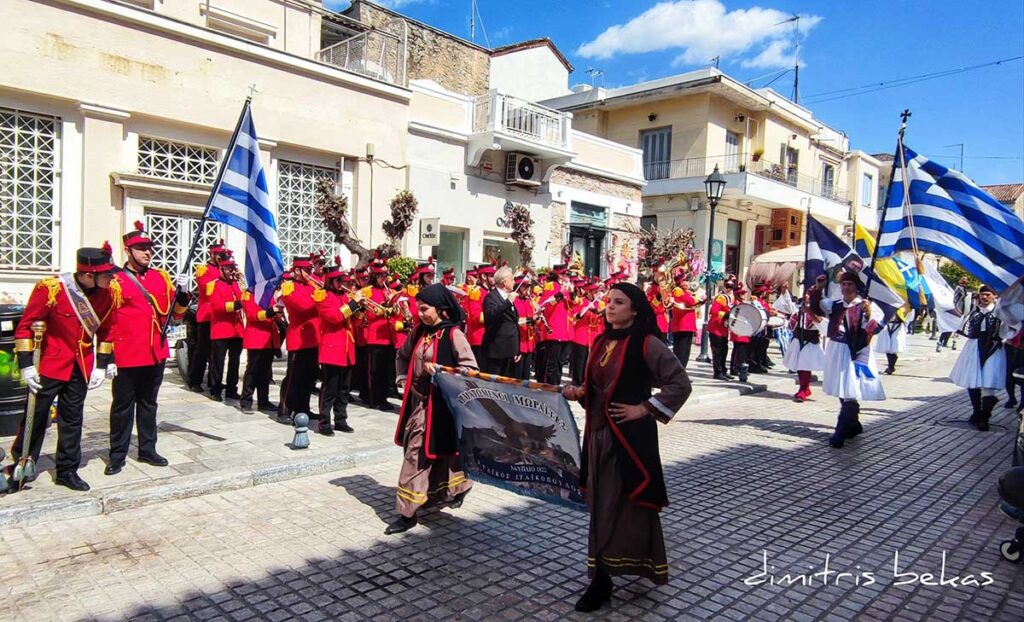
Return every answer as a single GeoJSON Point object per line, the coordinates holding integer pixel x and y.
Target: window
{"type": "Point", "coordinates": [791, 162]}
{"type": "Point", "coordinates": [657, 148]}
{"type": "Point", "coordinates": [867, 190]}
{"type": "Point", "coordinates": [828, 180]}
{"type": "Point", "coordinates": [29, 146]}
{"type": "Point", "coordinates": [733, 235]}
{"type": "Point", "coordinates": [299, 227]}
{"type": "Point", "coordinates": [181, 161]}
{"type": "Point", "coordinates": [732, 153]}
{"type": "Point", "coordinates": [584, 213]}
{"type": "Point", "coordinates": [172, 239]}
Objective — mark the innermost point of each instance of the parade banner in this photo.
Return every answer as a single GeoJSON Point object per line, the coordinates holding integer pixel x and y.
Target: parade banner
{"type": "Point", "coordinates": [515, 434]}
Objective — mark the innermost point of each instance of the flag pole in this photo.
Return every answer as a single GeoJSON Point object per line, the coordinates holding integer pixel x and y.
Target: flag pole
{"type": "Point", "coordinates": [906, 114]}
{"type": "Point", "coordinates": [209, 201]}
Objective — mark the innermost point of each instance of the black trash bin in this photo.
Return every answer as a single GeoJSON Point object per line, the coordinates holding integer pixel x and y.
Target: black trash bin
{"type": "Point", "coordinates": [13, 392]}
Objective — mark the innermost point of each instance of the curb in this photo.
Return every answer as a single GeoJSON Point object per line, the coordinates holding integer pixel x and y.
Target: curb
{"type": "Point", "coordinates": [34, 511]}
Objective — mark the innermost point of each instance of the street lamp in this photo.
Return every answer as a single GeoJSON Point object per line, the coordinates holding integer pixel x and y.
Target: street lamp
{"type": "Point", "coordinates": [714, 186]}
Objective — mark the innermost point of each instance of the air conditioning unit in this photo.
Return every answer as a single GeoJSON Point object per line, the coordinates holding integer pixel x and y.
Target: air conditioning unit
{"type": "Point", "coordinates": [522, 170]}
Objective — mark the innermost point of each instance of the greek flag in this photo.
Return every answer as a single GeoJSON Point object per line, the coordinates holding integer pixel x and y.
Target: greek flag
{"type": "Point", "coordinates": [950, 216]}
{"type": "Point", "coordinates": [240, 200]}
{"type": "Point", "coordinates": [829, 255]}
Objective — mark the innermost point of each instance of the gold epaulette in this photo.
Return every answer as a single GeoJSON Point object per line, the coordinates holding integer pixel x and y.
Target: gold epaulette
{"type": "Point", "coordinates": [367, 291]}
{"type": "Point", "coordinates": [287, 288]}
{"type": "Point", "coordinates": [210, 287]}
{"type": "Point", "coordinates": [549, 286]}
{"type": "Point", "coordinates": [116, 294]}
{"type": "Point", "coordinates": [246, 295]}
{"type": "Point", "coordinates": [412, 290]}
{"type": "Point", "coordinates": [677, 291]}
{"type": "Point", "coordinates": [52, 285]}
{"type": "Point", "coordinates": [474, 293]}
{"type": "Point", "coordinates": [167, 278]}
{"type": "Point", "coordinates": [201, 270]}
{"type": "Point", "coordinates": [320, 295]}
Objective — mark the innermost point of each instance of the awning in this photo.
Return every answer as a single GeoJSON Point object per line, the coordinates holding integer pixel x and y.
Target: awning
{"type": "Point", "coordinates": [792, 254]}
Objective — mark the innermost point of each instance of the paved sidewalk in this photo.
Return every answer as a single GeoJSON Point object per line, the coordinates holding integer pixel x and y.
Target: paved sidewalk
{"type": "Point", "coordinates": [213, 447]}
{"type": "Point", "coordinates": [746, 477]}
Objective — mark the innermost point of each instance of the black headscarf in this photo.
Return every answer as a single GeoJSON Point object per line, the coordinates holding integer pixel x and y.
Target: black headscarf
{"type": "Point", "coordinates": [645, 323]}
{"type": "Point", "coordinates": [448, 309]}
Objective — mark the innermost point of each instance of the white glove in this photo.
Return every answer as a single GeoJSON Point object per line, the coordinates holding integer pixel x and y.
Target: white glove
{"type": "Point", "coordinates": [182, 283]}
{"type": "Point", "coordinates": [31, 378]}
{"type": "Point", "coordinates": [96, 378]}
{"type": "Point", "coordinates": [111, 371]}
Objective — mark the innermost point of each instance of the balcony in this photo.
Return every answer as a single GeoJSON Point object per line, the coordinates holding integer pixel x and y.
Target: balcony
{"type": "Point", "coordinates": [766, 182]}
{"type": "Point", "coordinates": [375, 54]}
{"type": "Point", "coordinates": [507, 123]}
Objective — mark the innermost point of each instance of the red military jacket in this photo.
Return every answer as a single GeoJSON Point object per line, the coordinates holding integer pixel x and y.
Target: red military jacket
{"type": "Point", "coordinates": [590, 325]}
{"type": "Point", "coordinates": [378, 328]}
{"type": "Point", "coordinates": [719, 310]}
{"type": "Point", "coordinates": [657, 299]}
{"type": "Point", "coordinates": [65, 343]}
{"type": "Point", "coordinates": [337, 340]}
{"type": "Point", "coordinates": [261, 332]}
{"type": "Point", "coordinates": [683, 321]}
{"type": "Point", "coordinates": [137, 328]}
{"type": "Point", "coordinates": [475, 315]}
{"type": "Point", "coordinates": [205, 274]}
{"type": "Point", "coordinates": [402, 324]}
{"type": "Point", "coordinates": [556, 312]}
{"type": "Point", "coordinates": [303, 320]}
{"type": "Point", "coordinates": [527, 332]}
{"type": "Point", "coordinates": [225, 310]}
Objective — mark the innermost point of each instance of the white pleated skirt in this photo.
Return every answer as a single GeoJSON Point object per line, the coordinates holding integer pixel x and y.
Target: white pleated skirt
{"type": "Point", "coordinates": [841, 379]}
{"type": "Point", "coordinates": [811, 357]}
{"type": "Point", "coordinates": [891, 344]}
{"type": "Point", "coordinates": [968, 372]}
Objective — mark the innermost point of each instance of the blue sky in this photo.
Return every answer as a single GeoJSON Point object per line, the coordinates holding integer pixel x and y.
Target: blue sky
{"type": "Point", "coordinates": [843, 44]}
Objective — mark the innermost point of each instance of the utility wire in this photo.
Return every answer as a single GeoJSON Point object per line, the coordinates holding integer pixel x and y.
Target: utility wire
{"type": "Point", "coordinates": [888, 84]}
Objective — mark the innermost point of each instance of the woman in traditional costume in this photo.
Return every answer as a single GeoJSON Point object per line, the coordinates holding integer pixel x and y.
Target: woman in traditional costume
{"type": "Point", "coordinates": [621, 468]}
{"type": "Point", "coordinates": [981, 366]}
{"type": "Point", "coordinates": [851, 373]}
{"type": "Point", "coordinates": [805, 354]}
{"type": "Point", "coordinates": [431, 472]}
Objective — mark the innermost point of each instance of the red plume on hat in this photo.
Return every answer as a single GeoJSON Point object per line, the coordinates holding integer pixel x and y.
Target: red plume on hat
{"type": "Point", "coordinates": [139, 226]}
{"type": "Point", "coordinates": [106, 248]}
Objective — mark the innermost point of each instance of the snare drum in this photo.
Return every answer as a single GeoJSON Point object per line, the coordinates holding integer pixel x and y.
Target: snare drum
{"type": "Point", "coordinates": [747, 319]}
{"type": "Point", "coordinates": [776, 322]}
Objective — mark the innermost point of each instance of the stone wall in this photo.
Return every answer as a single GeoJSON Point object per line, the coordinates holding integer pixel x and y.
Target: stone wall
{"type": "Point", "coordinates": [556, 233]}
{"type": "Point", "coordinates": [455, 64]}
{"type": "Point", "coordinates": [593, 183]}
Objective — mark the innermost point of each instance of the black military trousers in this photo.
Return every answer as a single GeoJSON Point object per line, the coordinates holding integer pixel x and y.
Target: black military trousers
{"type": "Point", "coordinates": [334, 396]}
{"type": "Point", "coordinates": [231, 349]}
{"type": "Point", "coordinates": [71, 396]}
{"type": "Point", "coordinates": [259, 371]}
{"type": "Point", "coordinates": [134, 405]}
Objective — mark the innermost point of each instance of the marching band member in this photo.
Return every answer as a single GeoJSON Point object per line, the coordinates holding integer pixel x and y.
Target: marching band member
{"type": "Point", "coordinates": [431, 471]}
{"type": "Point", "coordinates": [359, 384]}
{"type": "Point", "coordinates": [380, 351]}
{"type": "Point", "coordinates": [621, 472]}
{"type": "Point", "coordinates": [143, 298]}
{"type": "Point", "coordinates": [302, 340]}
{"type": "Point", "coordinates": [740, 344]}
{"type": "Point", "coordinates": [204, 274]}
{"type": "Point", "coordinates": [588, 323]}
{"type": "Point", "coordinates": [981, 366]}
{"type": "Point", "coordinates": [805, 354]}
{"type": "Point", "coordinates": [77, 310]}
{"type": "Point", "coordinates": [475, 326]}
{"type": "Point", "coordinates": [540, 359]}
{"type": "Point", "coordinates": [262, 343]}
{"type": "Point", "coordinates": [757, 356]}
{"type": "Point", "coordinates": [718, 332]}
{"type": "Point", "coordinates": [555, 303]}
{"type": "Point", "coordinates": [448, 277]}
{"type": "Point", "coordinates": [850, 370]}
{"type": "Point", "coordinates": [226, 331]}
{"type": "Point", "coordinates": [892, 339]}
{"type": "Point", "coordinates": [526, 309]}
{"type": "Point", "coordinates": [657, 299]}
{"type": "Point", "coordinates": [337, 354]}
{"type": "Point", "coordinates": [683, 323]}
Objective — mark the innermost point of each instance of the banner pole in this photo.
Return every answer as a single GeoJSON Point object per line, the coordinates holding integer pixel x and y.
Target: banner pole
{"type": "Point", "coordinates": [472, 373]}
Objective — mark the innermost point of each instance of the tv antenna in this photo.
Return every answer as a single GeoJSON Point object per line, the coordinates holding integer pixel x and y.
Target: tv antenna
{"type": "Point", "coordinates": [594, 74]}
{"type": "Point", "coordinates": [795, 20]}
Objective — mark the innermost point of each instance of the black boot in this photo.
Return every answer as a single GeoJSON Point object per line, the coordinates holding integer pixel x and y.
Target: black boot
{"type": "Point", "coordinates": [975, 395]}
{"type": "Point", "coordinates": [598, 593]}
{"type": "Point", "coordinates": [891, 358]}
{"type": "Point", "coordinates": [987, 404]}
{"type": "Point", "coordinates": [400, 524]}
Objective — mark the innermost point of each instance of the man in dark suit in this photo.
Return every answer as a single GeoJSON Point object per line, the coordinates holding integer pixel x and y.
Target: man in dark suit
{"type": "Point", "coordinates": [500, 347]}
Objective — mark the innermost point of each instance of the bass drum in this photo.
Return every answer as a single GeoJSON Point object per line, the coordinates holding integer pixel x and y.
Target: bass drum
{"type": "Point", "coordinates": [746, 319]}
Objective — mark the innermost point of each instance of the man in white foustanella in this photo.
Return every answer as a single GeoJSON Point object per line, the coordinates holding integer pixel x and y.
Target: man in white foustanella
{"type": "Point", "coordinates": [981, 366]}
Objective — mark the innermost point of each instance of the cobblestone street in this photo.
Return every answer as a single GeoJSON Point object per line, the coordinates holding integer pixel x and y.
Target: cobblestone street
{"type": "Point", "coordinates": [749, 478]}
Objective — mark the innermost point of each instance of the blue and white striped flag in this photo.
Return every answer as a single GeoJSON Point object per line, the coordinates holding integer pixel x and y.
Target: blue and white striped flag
{"type": "Point", "coordinates": [954, 218]}
{"type": "Point", "coordinates": [241, 201]}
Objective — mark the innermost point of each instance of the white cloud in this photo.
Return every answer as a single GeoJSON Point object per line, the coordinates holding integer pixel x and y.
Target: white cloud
{"type": "Point", "coordinates": [502, 33]}
{"type": "Point", "coordinates": [703, 29]}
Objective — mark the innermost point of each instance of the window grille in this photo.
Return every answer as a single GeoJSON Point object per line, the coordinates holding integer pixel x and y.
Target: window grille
{"type": "Point", "coordinates": [172, 240]}
{"type": "Point", "coordinates": [173, 160]}
{"type": "Point", "coordinates": [29, 145]}
{"type": "Point", "coordinates": [300, 229]}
